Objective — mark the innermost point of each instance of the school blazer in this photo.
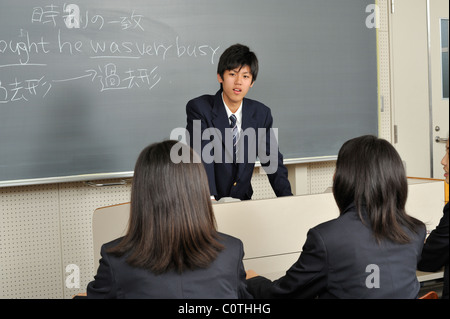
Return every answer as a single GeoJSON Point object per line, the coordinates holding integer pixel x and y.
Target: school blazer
{"type": "Point", "coordinates": [341, 259]}
{"type": "Point", "coordinates": [224, 278]}
{"type": "Point", "coordinates": [436, 250]}
{"type": "Point", "coordinates": [228, 179]}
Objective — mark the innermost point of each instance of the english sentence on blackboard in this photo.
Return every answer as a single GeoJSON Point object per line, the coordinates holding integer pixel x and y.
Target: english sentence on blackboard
{"type": "Point", "coordinates": [127, 49]}
{"type": "Point", "coordinates": [25, 46]}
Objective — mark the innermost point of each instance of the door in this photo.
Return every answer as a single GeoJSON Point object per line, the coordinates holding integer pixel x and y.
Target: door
{"type": "Point", "coordinates": [438, 46]}
{"type": "Point", "coordinates": [418, 104]}
{"type": "Point", "coordinates": [409, 56]}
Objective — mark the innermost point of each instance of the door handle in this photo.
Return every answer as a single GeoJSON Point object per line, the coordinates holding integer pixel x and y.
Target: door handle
{"type": "Point", "coordinates": [440, 139]}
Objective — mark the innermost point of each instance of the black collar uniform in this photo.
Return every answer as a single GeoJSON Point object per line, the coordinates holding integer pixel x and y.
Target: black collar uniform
{"type": "Point", "coordinates": [228, 178]}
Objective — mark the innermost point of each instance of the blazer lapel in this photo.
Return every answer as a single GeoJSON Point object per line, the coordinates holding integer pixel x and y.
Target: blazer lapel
{"type": "Point", "coordinates": [221, 122]}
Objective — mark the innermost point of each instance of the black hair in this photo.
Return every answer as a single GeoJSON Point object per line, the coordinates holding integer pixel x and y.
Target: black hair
{"type": "Point", "coordinates": [237, 56]}
{"type": "Point", "coordinates": [172, 223]}
{"type": "Point", "coordinates": [371, 175]}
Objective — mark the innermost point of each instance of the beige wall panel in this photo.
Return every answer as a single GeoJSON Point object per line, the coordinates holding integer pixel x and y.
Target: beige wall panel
{"type": "Point", "coordinates": [30, 249]}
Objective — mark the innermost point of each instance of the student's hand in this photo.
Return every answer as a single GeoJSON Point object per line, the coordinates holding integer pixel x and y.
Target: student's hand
{"type": "Point", "coordinates": [250, 274]}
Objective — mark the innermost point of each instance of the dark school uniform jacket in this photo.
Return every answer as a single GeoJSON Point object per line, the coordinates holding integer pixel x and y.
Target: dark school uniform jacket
{"type": "Point", "coordinates": [223, 279]}
{"type": "Point", "coordinates": [227, 178]}
{"type": "Point", "coordinates": [342, 259]}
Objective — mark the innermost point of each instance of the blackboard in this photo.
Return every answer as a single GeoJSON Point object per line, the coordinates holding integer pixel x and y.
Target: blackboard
{"type": "Point", "coordinates": [86, 85]}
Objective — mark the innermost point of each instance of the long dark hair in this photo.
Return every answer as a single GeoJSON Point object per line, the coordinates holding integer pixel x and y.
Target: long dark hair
{"type": "Point", "coordinates": [370, 174]}
{"type": "Point", "coordinates": [172, 224]}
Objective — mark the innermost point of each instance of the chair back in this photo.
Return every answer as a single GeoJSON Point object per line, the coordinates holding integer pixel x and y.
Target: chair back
{"type": "Point", "coordinates": [430, 295]}
{"type": "Point", "coordinates": [108, 223]}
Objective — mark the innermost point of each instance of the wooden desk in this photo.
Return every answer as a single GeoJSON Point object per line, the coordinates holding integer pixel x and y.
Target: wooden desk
{"type": "Point", "coordinates": [427, 276]}
{"type": "Point", "coordinates": [274, 230]}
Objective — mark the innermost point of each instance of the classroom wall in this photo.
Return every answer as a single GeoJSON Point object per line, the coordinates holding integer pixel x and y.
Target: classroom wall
{"type": "Point", "coordinates": [46, 228]}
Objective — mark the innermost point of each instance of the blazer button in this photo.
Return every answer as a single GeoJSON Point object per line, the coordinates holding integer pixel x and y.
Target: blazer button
{"type": "Point", "coordinates": [234, 184]}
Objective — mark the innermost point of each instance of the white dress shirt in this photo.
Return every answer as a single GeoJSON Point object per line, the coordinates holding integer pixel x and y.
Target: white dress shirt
{"type": "Point", "coordinates": [238, 115]}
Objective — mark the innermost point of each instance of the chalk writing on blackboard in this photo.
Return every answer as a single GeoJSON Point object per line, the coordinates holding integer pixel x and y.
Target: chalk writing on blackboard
{"type": "Point", "coordinates": [71, 16]}
{"type": "Point", "coordinates": [23, 90]}
{"type": "Point", "coordinates": [148, 58]}
{"type": "Point", "coordinates": [111, 79]}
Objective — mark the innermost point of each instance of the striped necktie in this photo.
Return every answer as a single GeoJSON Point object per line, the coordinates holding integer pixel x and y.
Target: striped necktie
{"type": "Point", "coordinates": [235, 131]}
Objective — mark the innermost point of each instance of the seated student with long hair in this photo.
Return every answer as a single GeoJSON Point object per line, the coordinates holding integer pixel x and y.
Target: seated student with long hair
{"type": "Point", "coordinates": [172, 248]}
{"type": "Point", "coordinates": [435, 253]}
{"type": "Point", "coordinates": [371, 250]}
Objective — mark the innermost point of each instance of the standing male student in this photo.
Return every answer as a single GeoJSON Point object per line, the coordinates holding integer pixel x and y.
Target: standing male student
{"type": "Point", "coordinates": [230, 130]}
